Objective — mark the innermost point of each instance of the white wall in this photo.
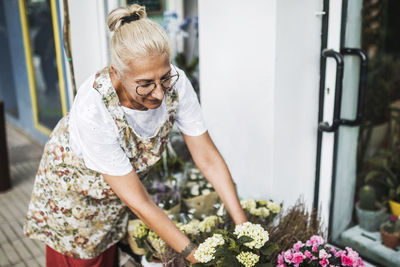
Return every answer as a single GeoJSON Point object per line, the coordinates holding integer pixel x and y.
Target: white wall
{"type": "Point", "coordinates": [88, 37]}
{"type": "Point", "coordinates": [237, 78]}
{"type": "Point", "coordinates": [259, 79]}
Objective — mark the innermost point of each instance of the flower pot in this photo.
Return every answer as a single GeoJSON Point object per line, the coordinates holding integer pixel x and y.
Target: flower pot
{"type": "Point", "coordinates": [370, 220]}
{"type": "Point", "coordinates": [395, 207]}
{"type": "Point", "coordinates": [145, 263]}
{"type": "Point", "coordinates": [131, 240]}
{"type": "Point", "coordinates": [389, 240]}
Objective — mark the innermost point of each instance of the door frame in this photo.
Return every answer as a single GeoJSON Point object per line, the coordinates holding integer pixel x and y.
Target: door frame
{"type": "Point", "coordinates": [29, 63]}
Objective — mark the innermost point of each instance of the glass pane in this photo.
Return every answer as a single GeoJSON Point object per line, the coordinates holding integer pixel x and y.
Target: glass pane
{"type": "Point", "coordinates": [378, 147]}
{"type": "Point", "coordinates": [44, 61]}
{"type": "Point", "coordinates": [7, 87]}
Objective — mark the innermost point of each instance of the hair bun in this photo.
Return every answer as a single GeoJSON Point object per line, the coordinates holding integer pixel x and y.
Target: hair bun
{"type": "Point", "coordinates": [123, 15]}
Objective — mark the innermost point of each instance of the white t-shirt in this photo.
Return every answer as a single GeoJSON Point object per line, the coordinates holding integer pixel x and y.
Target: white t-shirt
{"type": "Point", "coordinates": [94, 135]}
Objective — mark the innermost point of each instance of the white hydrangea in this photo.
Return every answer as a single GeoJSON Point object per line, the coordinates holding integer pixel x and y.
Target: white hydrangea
{"type": "Point", "coordinates": [248, 204]}
{"type": "Point", "coordinates": [206, 250]}
{"type": "Point", "coordinates": [140, 230]}
{"type": "Point", "coordinates": [248, 259]}
{"type": "Point", "coordinates": [275, 208]}
{"type": "Point", "coordinates": [262, 212]}
{"type": "Point", "coordinates": [208, 223]}
{"type": "Point", "coordinates": [191, 227]}
{"type": "Point", "coordinates": [157, 243]}
{"type": "Point", "coordinates": [255, 231]}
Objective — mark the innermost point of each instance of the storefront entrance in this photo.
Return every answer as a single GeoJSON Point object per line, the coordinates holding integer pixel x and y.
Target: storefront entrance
{"type": "Point", "coordinates": [358, 118]}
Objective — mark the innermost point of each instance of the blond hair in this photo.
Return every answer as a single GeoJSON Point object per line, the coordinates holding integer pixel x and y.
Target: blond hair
{"type": "Point", "coordinates": [135, 39]}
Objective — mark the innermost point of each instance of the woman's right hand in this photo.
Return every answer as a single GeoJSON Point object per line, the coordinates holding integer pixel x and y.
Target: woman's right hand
{"type": "Point", "coordinates": [191, 257]}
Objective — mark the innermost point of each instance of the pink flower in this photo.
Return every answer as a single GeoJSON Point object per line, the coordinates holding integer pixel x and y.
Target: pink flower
{"type": "Point", "coordinates": [298, 245]}
{"type": "Point", "coordinates": [288, 256]}
{"type": "Point", "coordinates": [324, 262]}
{"type": "Point", "coordinates": [308, 254]}
{"type": "Point", "coordinates": [352, 254]}
{"type": "Point", "coordinates": [323, 254]}
{"type": "Point", "coordinates": [314, 248]}
{"type": "Point", "coordinates": [298, 258]}
{"type": "Point", "coordinates": [333, 265]}
{"type": "Point", "coordinates": [339, 254]}
{"type": "Point", "coordinates": [281, 265]}
{"type": "Point", "coordinates": [360, 263]}
{"type": "Point", "coordinates": [280, 259]}
{"type": "Point", "coordinates": [332, 250]}
{"type": "Point", "coordinates": [346, 261]}
{"type": "Point", "coordinates": [315, 240]}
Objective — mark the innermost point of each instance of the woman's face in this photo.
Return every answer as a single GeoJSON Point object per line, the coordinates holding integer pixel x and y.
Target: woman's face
{"type": "Point", "coordinates": [143, 71]}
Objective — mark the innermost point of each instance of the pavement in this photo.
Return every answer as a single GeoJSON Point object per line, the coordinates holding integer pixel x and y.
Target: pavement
{"type": "Point", "coordinates": [15, 248]}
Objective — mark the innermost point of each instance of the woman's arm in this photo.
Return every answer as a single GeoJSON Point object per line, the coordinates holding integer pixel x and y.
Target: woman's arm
{"type": "Point", "coordinates": [131, 191]}
{"type": "Point", "coordinates": [211, 164]}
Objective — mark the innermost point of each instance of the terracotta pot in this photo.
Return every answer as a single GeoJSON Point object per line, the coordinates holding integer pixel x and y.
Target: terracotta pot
{"type": "Point", "coordinates": [389, 240]}
{"type": "Point", "coordinates": [395, 207]}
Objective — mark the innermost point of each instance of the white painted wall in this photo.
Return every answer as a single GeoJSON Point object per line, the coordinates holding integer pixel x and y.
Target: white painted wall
{"type": "Point", "coordinates": [88, 37]}
{"type": "Point", "coordinates": [237, 78]}
{"type": "Point", "coordinates": [259, 78]}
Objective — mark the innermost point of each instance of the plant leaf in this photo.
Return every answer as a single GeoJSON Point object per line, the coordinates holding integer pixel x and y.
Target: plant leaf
{"type": "Point", "coordinates": [264, 265]}
{"type": "Point", "coordinates": [244, 239]}
{"type": "Point", "coordinates": [372, 175]}
{"type": "Point", "coordinates": [268, 249]}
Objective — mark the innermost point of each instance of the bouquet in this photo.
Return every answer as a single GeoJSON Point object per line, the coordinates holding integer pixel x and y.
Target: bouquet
{"type": "Point", "coordinates": [245, 246]}
{"type": "Point", "coordinates": [261, 212]}
{"type": "Point", "coordinates": [316, 253]}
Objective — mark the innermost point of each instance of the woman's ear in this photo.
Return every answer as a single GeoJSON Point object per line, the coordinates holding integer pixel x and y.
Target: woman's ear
{"type": "Point", "coordinates": [115, 72]}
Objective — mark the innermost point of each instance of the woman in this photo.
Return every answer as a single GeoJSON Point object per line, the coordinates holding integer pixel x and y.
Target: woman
{"type": "Point", "coordinates": [120, 122]}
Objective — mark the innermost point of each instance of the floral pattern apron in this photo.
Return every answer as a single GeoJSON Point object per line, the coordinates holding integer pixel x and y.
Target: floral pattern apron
{"type": "Point", "coordinates": [72, 208]}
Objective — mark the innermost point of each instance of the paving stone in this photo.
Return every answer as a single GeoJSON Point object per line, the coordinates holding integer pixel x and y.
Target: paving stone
{"type": "Point", "coordinates": [21, 250]}
{"type": "Point", "coordinates": [41, 260]}
{"type": "Point", "coordinates": [7, 211]}
{"type": "Point", "coordinates": [10, 252]}
{"type": "Point", "coordinates": [9, 233]}
{"type": "Point", "coordinates": [3, 259]}
{"type": "Point", "coordinates": [3, 238]}
{"type": "Point", "coordinates": [32, 247]}
{"type": "Point", "coordinates": [32, 263]}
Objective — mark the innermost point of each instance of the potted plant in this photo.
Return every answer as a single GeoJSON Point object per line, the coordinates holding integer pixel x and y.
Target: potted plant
{"type": "Point", "coordinates": [369, 211]}
{"type": "Point", "coordinates": [315, 252]}
{"type": "Point", "coordinates": [390, 231]}
{"type": "Point", "coordinates": [384, 171]}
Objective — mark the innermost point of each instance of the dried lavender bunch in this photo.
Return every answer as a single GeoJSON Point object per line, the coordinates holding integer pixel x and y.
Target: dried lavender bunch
{"type": "Point", "coordinates": [294, 224]}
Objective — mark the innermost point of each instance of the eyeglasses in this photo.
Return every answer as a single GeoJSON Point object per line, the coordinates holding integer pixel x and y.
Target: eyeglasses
{"type": "Point", "coordinates": [166, 84]}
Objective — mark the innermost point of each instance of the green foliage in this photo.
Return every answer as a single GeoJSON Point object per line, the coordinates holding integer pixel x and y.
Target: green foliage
{"type": "Point", "coordinates": [384, 171]}
{"type": "Point", "coordinates": [388, 227]}
{"type": "Point", "coordinates": [367, 198]}
{"type": "Point", "coordinates": [397, 226]}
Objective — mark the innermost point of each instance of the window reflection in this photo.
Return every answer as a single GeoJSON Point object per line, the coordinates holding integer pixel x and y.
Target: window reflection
{"type": "Point", "coordinates": [44, 62]}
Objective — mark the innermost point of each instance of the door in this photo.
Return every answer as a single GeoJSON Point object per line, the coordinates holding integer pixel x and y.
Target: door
{"type": "Point", "coordinates": [360, 87]}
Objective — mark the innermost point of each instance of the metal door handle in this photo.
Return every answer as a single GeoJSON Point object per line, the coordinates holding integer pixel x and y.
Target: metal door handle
{"type": "Point", "coordinates": [324, 126]}
{"type": "Point", "coordinates": [361, 87]}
